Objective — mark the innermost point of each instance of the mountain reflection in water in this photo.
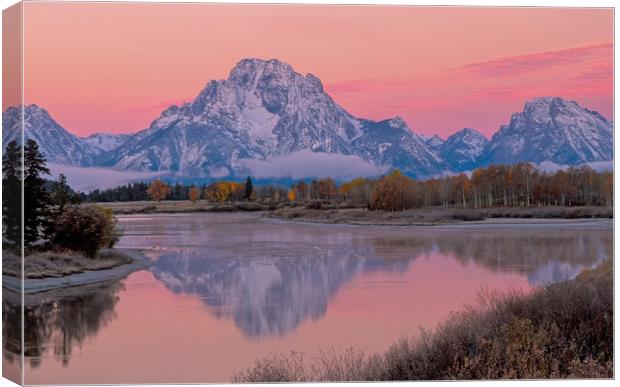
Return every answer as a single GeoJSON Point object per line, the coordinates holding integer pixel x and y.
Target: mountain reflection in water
{"type": "Point", "coordinates": [270, 284]}
{"type": "Point", "coordinates": [267, 279]}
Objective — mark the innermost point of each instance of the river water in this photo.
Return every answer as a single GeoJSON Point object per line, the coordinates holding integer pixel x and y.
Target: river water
{"type": "Point", "coordinates": [227, 289]}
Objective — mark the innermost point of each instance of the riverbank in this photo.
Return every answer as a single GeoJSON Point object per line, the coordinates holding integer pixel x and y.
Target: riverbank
{"type": "Point", "coordinates": [182, 207]}
{"type": "Point", "coordinates": [346, 214]}
{"type": "Point", "coordinates": [80, 272]}
{"type": "Point", "coordinates": [434, 216]}
{"type": "Point", "coordinates": [563, 330]}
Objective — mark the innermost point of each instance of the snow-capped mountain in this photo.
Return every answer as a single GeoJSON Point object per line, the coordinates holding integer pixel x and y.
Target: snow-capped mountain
{"type": "Point", "coordinates": [391, 142]}
{"type": "Point", "coordinates": [265, 109]}
{"type": "Point", "coordinates": [462, 150]}
{"type": "Point", "coordinates": [434, 142]}
{"type": "Point", "coordinates": [56, 143]}
{"type": "Point", "coordinates": [552, 129]}
{"type": "Point", "coordinates": [105, 142]}
{"type": "Point", "coordinates": [265, 114]}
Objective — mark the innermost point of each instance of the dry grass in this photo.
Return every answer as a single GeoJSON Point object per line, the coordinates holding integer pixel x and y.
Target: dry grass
{"type": "Point", "coordinates": [181, 206]}
{"type": "Point", "coordinates": [348, 213]}
{"type": "Point", "coordinates": [561, 331]}
{"type": "Point", "coordinates": [431, 216]}
{"type": "Point", "coordinates": [50, 264]}
{"type": "Point", "coordinates": [362, 216]}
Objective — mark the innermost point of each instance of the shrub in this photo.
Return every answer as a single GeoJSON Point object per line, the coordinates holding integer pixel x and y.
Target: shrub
{"type": "Point", "coordinates": [314, 205]}
{"type": "Point", "coordinates": [85, 229]}
{"type": "Point", "coordinates": [468, 216]}
{"type": "Point", "coordinates": [562, 331]}
{"type": "Point", "coordinates": [248, 206]}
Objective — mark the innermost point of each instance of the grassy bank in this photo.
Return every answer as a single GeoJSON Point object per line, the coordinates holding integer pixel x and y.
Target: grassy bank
{"type": "Point", "coordinates": [181, 206]}
{"type": "Point", "coordinates": [348, 214]}
{"type": "Point", "coordinates": [564, 330]}
{"type": "Point", "coordinates": [435, 215]}
{"type": "Point", "coordinates": [50, 264]}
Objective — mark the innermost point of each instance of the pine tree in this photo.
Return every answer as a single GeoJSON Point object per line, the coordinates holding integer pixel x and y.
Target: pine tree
{"type": "Point", "coordinates": [249, 187]}
{"type": "Point", "coordinates": [36, 197]}
{"type": "Point", "coordinates": [61, 193]}
{"type": "Point", "coordinates": [12, 193]}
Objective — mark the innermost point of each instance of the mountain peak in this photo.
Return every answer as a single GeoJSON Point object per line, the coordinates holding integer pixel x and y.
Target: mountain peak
{"type": "Point", "coordinates": [468, 133]}
{"type": "Point", "coordinates": [56, 143]}
{"type": "Point", "coordinates": [398, 122]}
{"type": "Point", "coordinates": [547, 107]}
{"type": "Point", "coordinates": [28, 110]}
{"type": "Point", "coordinates": [462, 149]}
{"type": "Point", "coordinates": [249, 71]}
{"type": "Point", "coordinates": [553, 129]}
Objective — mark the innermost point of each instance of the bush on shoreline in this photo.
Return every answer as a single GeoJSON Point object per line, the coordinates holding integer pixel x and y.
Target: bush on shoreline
{"type": "Point", "coordinates": [564, 330]}
{"type": "Point", "coordinates": [85, 229]}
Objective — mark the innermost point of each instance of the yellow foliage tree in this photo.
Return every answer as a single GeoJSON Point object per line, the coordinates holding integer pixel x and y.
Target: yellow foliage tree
{"type": "Point", "coordinates": [224, 191]}
{"type": "Point", "coordinates": [291, 195]}
{"type": "Point", "coordinates": [158, 190]}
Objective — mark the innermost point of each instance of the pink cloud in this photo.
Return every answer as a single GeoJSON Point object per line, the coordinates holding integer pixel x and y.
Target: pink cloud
{"type": "Point", "coordinates": [520, 64]}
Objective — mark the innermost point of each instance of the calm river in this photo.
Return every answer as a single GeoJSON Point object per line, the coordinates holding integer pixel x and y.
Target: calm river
{"type": "Point", "coordinates": [226, 289]}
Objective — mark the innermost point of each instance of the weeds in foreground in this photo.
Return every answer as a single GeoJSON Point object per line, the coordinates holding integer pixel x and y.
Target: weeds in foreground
{"type": "Point", "coordinates": [562, 331]}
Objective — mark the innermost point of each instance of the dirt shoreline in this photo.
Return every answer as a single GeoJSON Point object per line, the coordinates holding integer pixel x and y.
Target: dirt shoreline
{"type": "Point", "coordinates": [33, 286]}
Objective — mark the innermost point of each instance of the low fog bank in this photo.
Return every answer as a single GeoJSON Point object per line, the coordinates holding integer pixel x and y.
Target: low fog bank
{"type": "Point", "coordinates": [87, 179]}
{"type": "Point", "coordinates": [304, 164]}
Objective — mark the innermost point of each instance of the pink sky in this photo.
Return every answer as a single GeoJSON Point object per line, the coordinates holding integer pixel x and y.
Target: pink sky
{"type": "Point", "coordinates": [114, 67]}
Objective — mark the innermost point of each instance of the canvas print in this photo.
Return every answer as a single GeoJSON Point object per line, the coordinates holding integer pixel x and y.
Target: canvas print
{"type": "Point", "coordinates": [238, 193]}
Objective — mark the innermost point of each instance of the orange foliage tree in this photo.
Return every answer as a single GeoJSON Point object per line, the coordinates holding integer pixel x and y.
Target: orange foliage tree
{"type": "Point", "coordinates": [158, 190]}
{"type": "Point", "coordinates": [194, 194]}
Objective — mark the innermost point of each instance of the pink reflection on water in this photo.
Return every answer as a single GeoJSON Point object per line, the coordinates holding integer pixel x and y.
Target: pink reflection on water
{"type": "Point", "coordinates": [160, 336]}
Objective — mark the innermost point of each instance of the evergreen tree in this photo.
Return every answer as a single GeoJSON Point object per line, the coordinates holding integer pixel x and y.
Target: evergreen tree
{"type": "Point", "coordinates": [249, 187]}
{"type": "Point", "coordinates": [12, 193]}
{"type": "Point", "coordinates": [36, 197]}
{"type": "Point", "coordinates": [61, 193]}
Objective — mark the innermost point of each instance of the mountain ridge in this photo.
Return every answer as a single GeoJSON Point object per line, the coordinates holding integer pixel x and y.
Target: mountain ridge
{"type": "Point", "coordinates": [265, 110]}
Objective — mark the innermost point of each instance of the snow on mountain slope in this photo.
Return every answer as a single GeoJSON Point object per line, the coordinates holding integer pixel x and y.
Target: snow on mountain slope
{"type": "Point", "coordinates": [105, 142]}
{"type": "Point", "coordinates": [434, 142]}
{"type": "Point", "coordinates": [270, 121]}
{"type": "Point", "coordinates": [552, 129]}
{"type": "Point", "coordinates": [264, 110]}
{"type": "Point", "coordinates": [462, 150]}
{"type": "Point", "coordinates": [56, 143]}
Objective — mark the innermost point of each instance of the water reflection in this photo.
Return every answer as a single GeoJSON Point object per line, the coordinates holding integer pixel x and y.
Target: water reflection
{"type": "Point", "coordinates": [57, 322]}
{"type": "Point", "coordinates": [270, 278]}
{"type": "Point", "coordinates": [270, 294]}
{"type": "Point", "coordinates": [545, 256]}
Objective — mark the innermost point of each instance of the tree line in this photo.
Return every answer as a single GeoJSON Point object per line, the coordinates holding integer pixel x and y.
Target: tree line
{"type": "Point", "coordinates": [53, 218]}
{"type": "Point", "coordinates": [519, 185]}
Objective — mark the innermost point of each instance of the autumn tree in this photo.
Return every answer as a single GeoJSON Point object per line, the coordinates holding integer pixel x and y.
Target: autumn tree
{"type": "Point", "coordinates": [301, 191]}
{"type": "Point", "coordinates": [194, 194]}
{"type": "Point", "coordinates": [291, 196]}
{"type": "Point", "coordinates": [158, 190]}
{"type": "Point", "coordinates": [391, 193]}
{"type": "Point", "coordinates": [357, 190]}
